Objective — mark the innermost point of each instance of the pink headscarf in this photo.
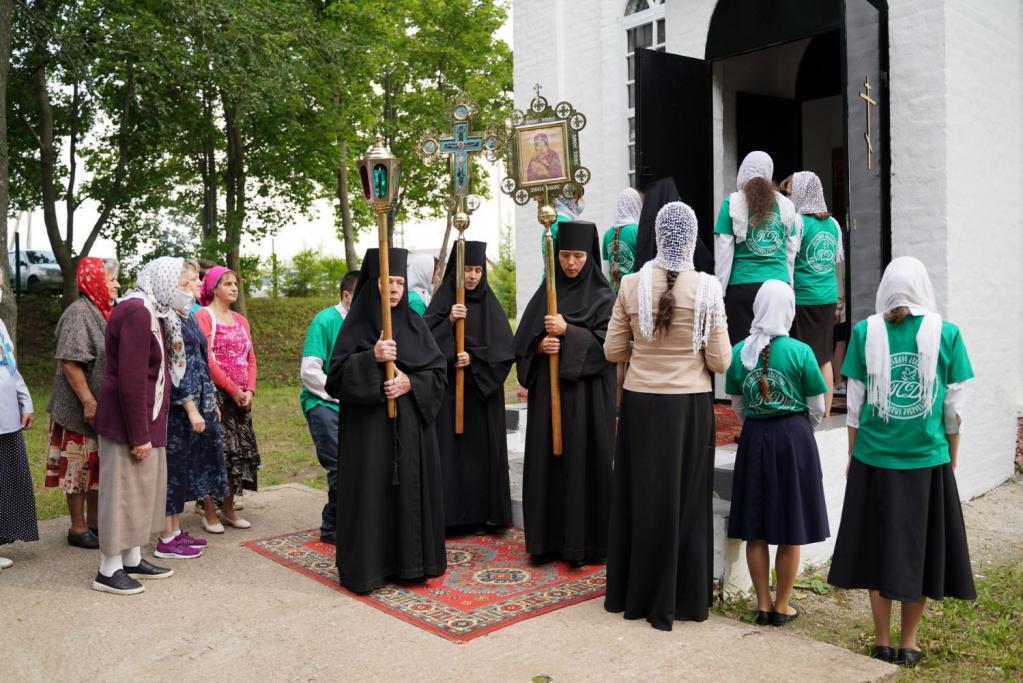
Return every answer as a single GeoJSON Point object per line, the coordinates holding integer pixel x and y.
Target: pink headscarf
{"type": "Point", "coordinates": [210, 282]}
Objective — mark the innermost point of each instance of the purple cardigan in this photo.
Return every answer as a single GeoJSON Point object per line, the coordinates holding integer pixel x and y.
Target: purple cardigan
{"type": "Point", "coordinates": [134, 360]}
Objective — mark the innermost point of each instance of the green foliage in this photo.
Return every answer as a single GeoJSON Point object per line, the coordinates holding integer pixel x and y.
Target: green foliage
{"type": "Point", "coordinates": [501, 276]}
{"type": "Point", "coordinates": [313, 274]}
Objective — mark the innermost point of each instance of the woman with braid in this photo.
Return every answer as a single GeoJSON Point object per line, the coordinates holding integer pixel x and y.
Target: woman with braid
{"type": "Point", "coordinates": [669, 324]}
{"type": "Point", "coordinates": [777, 392]}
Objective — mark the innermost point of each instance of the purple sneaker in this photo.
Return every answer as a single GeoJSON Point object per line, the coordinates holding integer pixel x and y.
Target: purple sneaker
{"type": "Point", "coordinates": [176, 550]}
{"type": "Point", "coordinates": [191, 541]}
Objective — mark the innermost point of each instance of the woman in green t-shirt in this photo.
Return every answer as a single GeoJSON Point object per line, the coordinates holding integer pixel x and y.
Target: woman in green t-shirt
{"type": "Point", "coordinates": [815, 274]}
{"type": "Point", "coordinates": [902, 535]}
{"type": "Point", "coordinates": [619, 246]}
{"type": "Point", "coordinates": [777, 496]}
{"type": "Point", "coordinates": [755, 239]}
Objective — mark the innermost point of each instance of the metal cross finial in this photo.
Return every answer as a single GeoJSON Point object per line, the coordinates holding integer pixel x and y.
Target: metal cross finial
{"type": "Point", "coordinates": [537, 88]}
{"type": "Point", "coordinates": [868, 103]}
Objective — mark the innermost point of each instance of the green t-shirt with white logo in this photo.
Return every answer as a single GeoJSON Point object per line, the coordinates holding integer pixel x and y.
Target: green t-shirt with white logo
{"type": "Point", "coordinates": [761, 256]}
{"type": "Point", "coordinates": [910, 439]}
{"type": "Point", "coordinates": [815, 281]}
{"type": "Point", "coordinates": [626, 257]}
{"type": "Point", "coordinates": [792, 374]}
{"type": "Point", "coordinates": [319, 343]}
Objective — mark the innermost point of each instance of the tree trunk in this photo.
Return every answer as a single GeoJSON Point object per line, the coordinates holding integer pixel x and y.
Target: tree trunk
{"type": "Point", "coordinates": [442, 258]}
{"type": "Point", "coordinates": [234, 194]}
{"type": "Point", "coordinates": [345, 206]}
{"type": "Point", "coordinates": [208, 168]}
{"type": "Point", "coordinates": [8, 305]}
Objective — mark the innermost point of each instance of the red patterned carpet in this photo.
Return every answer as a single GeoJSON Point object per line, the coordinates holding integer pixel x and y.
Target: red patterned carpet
{"type": "Point", "coordinates": [728, 426]}
{"type": "Point", "coordinates": [489, 584]}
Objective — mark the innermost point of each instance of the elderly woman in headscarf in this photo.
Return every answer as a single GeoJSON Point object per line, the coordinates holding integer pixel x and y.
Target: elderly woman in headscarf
{"type": "Point", "coordinates": [777, 495]}
{"type": "Point", "coordinates": [756, 239]}
{"type": "Point", "coordinates": [816, 274]}
{"type": "Point", "coordinates": [902, 535]}
{"type": "Point", "coordinates": [619, 245]}
{"type": "Point", "coordinates": [420, 282]}
{"type": "Point", "coordinates": [669, 324]}
{"type": "Point", "coordinates": [72, 464]}
{"type": "Point", "coordinates": [145, 356]}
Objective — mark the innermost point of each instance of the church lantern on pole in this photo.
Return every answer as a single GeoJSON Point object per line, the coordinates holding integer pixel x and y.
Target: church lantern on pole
{"type": "Point", "coordinates": [380, 172]}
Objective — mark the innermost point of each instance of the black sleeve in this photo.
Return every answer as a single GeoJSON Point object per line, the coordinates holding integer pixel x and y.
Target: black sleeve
{"type": "Point", "coordinates": [444, 334]}
{"type": "Point", "coordinates": [582, 354]}
{"type": "Point", "coordinates": [428, 392]}
{"type": "Point", "coordinates": [488, 377]}
{"type": "Point", "coordinates": [359, 379]}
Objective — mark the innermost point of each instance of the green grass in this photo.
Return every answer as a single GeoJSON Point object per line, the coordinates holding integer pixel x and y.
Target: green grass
{"type": "Point", "coordinates": [964, 641]}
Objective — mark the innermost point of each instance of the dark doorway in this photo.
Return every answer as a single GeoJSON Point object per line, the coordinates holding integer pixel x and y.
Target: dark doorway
{"type": "Point", "coordinates": [773, 125]}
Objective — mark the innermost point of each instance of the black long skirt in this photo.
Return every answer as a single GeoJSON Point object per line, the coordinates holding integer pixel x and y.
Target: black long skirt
{"type": "Point", "coordinates": [660, 559]}
{"type": "Point", "coordinates": [902, 534]}
{"type": "Point", "coordinates": [777, 489]}
{"type": "Point", "coordinates": [739, 309]}
{"type": "Point", "coordinates": [814, 325]}
{"type": "Point", "coordinates": [17, 500]}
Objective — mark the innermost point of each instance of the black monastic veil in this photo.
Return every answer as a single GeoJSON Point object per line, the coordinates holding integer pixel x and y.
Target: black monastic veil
{"type": "Point", "coordinates": [656, 195]}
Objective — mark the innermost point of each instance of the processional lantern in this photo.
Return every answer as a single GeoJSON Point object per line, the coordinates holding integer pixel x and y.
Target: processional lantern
{"type": "Point", "coordinates": [543, 164]}
{"type": "Point", "coordinates": [380, 172]}
{"type": "Point", "coordinates": [460, 148]}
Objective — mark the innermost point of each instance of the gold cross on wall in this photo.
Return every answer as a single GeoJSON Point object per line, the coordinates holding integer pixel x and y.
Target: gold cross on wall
{"type": "Point", "coordinates": [868, 103]}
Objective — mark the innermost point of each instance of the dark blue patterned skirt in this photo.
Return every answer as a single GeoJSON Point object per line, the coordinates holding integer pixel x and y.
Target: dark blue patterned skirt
{"type": "Point", "coordinates": [777, 492]}
{"type": "Point", "coordinates": [17, 499]}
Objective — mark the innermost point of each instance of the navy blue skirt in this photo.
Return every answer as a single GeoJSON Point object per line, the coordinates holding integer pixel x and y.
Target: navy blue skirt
{"type": "Point", "coordinates": [777, 493]}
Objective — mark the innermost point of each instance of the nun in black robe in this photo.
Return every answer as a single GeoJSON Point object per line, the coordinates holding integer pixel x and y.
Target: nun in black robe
{"type": "Point", "coordinates": [390, 493]}
{"type": "Point", "coordinates": [474, 463]}
{"type": "Point", "coordinates": [656, 194]}
{"type": "Point", "coordinates": [566, 499]}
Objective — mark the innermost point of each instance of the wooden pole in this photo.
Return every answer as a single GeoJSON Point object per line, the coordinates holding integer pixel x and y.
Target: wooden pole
{"type": "Point", "coordinates": [547, 216]}
{"type": "Point", "coordinates": [385, 300]}
{"type": "Point", "coordinates": [460, 333]}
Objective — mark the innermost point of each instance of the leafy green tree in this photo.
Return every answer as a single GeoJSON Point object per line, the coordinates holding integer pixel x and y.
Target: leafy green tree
{"type": "Point", "coordinates": [501, 276]}
{"type": "Point", "coordinates": [8, 308]}
{"type": "Point", "coordinates": [312, 274]}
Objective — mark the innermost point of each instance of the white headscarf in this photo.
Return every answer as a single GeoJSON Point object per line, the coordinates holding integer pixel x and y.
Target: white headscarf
{"type": "Point", "coordinates": [628, 208]}
{"type": "Point", "coordinates": [755, 165]}
{"type": "Point", "coordinates": [675, 230]}
{"type": "Point", "coordinates": [420, 276]}
{"type": "Point", "coordinates": [570, 208]}
{"type": "Point", "coordinates": [773, 311]}
{"type": "Point", "coordinates": [808, 193]}
{"type": "Point", "coordinates": [156, 284]}
{"type": "Point", "coordinates": [905, 283]}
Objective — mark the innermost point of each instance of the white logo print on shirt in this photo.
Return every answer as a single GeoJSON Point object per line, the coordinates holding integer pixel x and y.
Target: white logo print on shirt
{"type": "Point", "coordinates": [906, 393]}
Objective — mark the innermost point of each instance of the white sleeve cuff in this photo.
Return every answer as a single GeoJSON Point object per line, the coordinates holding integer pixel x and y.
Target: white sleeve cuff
{"type": "Point", "coordinates": [855, 395]}
{"type": "Point", "coordinates": [815, 409]}
{"type": "Point", "coordinates": [952, 408]}
{"type": "Point", "coordinates": [739, 408]}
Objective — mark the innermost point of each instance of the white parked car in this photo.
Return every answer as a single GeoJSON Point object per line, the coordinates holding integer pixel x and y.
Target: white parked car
{"type": "Point", "coordinates": [39, 271]}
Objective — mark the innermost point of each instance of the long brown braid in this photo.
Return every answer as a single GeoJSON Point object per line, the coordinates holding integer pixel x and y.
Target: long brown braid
{"type": "Point", "coordinates": [666, 305]}
{"type": "Point", "coordinates": [765, 386]}
{"type": "Point", "coordinates": [616, 271]}
{"type": "Point", "coordinates": [759, 193]}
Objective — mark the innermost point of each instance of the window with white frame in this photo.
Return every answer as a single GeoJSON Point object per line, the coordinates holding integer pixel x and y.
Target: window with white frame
{"type": "Point", "coordinates": [644, 28]}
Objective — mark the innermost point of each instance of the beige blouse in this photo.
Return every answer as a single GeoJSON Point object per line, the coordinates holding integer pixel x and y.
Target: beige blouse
{"type": "Point", "coordinates": [666, 365]}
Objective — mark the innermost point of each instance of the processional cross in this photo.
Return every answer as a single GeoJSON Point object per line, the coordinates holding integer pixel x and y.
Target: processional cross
{"type": "Point", "coordinates": [868, 103]}
{"type": "Point", "coordinates": [460, 148]}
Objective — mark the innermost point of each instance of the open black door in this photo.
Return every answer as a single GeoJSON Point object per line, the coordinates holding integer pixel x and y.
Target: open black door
{"type": "Point", "coordinates": [673, 128]}
{"type": "Point", "coordinates": [773, 125]}
{"type": "Point", "coordinates": [868, 178]}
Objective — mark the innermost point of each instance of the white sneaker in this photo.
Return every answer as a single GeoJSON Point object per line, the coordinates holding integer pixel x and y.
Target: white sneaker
{"type": "Point", "coordinates": [6, 563]}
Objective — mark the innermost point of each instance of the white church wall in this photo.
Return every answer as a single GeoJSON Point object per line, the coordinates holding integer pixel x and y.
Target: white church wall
{"type": "Point", "coordinates": [578, 56]}
{"type": "Point", "coordinates": [985, 244]}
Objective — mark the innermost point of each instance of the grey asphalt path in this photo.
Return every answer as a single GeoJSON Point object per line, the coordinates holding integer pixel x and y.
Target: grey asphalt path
{"type": "Point", "coordinates": [234, 615]}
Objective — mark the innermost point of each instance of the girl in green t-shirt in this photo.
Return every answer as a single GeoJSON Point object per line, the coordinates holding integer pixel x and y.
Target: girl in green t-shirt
{"type": "Point", "coordinates": [815, 276]}
{"type": "Point", "coordinates": [755, 239]}
{"type": "Point", "coordinates": [619, 245]}
{"type": "Point", "coordinates": [777, 496]}
{"type": "Point", "coordinates": [902, 535]}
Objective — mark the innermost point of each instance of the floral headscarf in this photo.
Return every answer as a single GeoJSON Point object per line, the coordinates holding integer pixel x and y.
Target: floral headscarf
{"type": "Point", "coordinates": [210, 282]}
{"type": "Point", "coordinates": [91, 279]}
{"type": "Point", "coordinates": [156, 284]}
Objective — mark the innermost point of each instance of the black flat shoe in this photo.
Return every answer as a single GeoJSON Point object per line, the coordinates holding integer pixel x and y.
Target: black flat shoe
{"type": "Point", "coordinates": [95, 532]}
{"type": "Point", "coordinates": [86, 539]}
{"type": "Point", "coordinates": [885, 653]}
{"type": "Point", "coordinates": [118, 584]}
{"type": "Point", "coordinates": [761, 618]}
{"type": "Point", "coordinates": [907, 657]}
{"type": "Point", "coordinates": [779, 619]}
{"type": "Point", "coordinates": [328, 538]}
{"type": "Point", "coordinates": [147, 570]}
